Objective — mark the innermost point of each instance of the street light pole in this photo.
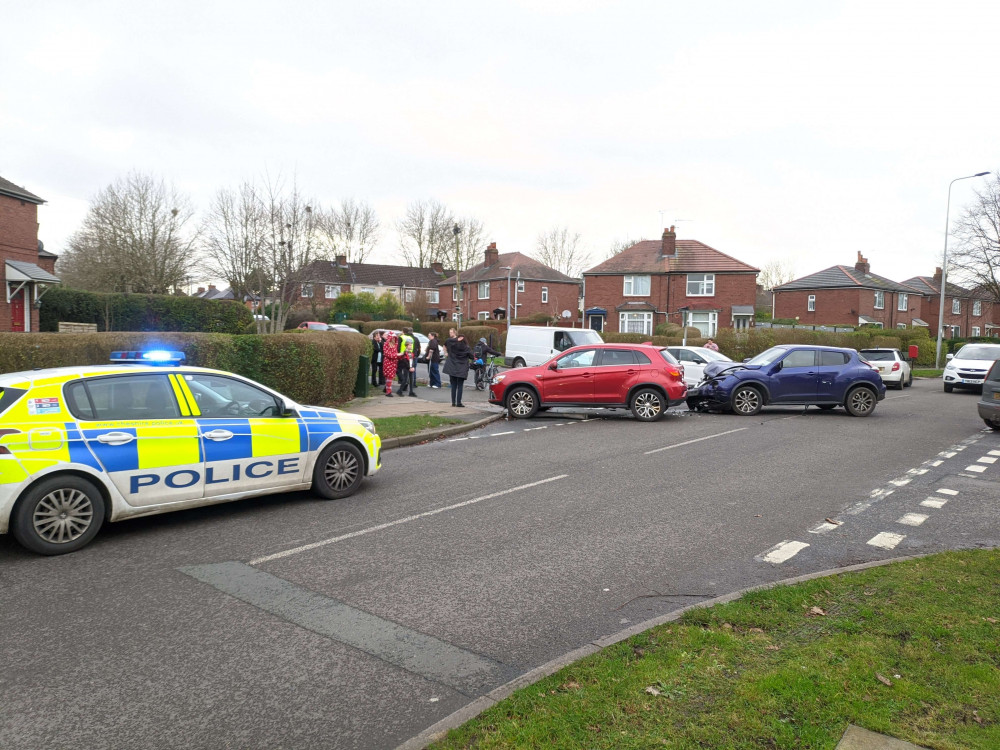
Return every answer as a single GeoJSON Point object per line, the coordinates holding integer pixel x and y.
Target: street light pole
{"type": "Point", "coordinates": [944, 267]}
{"type": "Point", "coordinates": [507, 313]}
{"type": "Point", "coordinates": [456, 230]}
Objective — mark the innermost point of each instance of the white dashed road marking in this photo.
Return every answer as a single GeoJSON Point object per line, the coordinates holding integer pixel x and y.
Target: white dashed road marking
{"type": "Point", "coordinates": [976, 468]}
{"type": "Point", "coordinates": [913, 519]}
{"type": "Point", "coordinates": [886, 540]}
{"type": "Point", "coordinates": [936, 463]}
{"type": "Point", "coordinates": [696, 440]}
{"type": "Point", "coordinates": [781, 552]}
{"type": "Point", "coordinates": [824, 527]}
{"type": "Point", "coordinates": [987, 460]}
{"type": "Point", "coordinates": [993, 453]}
{"type": "Point", "coordinates": [933, 502]}
{"type": "Point", "coordinates": [901, 482]}
{"type": "Point", "coordinates": [943, 491]}
{"type": "Point", "coordinates": [498, 434]}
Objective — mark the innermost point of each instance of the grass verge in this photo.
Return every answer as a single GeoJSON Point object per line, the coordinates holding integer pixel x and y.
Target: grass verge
{"type": "Point", "coordinates": [391, 427]}
{"type": "Point", "coordinates": [931, 373]}
{"type": "Point", "coordinates": [911, 650]}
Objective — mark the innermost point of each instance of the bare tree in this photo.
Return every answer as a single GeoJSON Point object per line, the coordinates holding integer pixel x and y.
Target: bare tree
{"type": "Point", "coordinates": [559, 249]}
{"type": "Point", "coordinates": [351, 229]}
{"type": "Point", "coordinates": [618, 246]}
{"type": "Point", "coordinates": [776, 272]}
{"type": "Point", "coordinates": [471, 242]}
{"type": "Point", "coordinates": [133, 239]}
{"type": "Point", "coordinates": [425, 233]}
{"type": "Point", "coordinates": [976, 259]}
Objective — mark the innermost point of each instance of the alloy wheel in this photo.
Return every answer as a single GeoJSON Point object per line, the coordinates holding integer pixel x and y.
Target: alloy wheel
{"type": "Point", "coordinates": [62, 516]}
{"type": "Point", "coordinates": [746, 401]}
{"type": "Point", "coordinates": [341, 470]}
{"type": "Point", "coordinates": [647, 405]}
{"type": "Point", "coordinates": [521, 403]}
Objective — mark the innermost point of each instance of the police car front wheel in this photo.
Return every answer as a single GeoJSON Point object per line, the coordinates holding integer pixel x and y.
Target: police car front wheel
{"type": "Point", "coordinates": [58, 515]}
{"type": "Point", "coordinates": [339, 470]}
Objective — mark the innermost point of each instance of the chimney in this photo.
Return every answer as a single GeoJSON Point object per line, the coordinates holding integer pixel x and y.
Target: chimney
{"type": "Point", "coordinates": [342, 261]}
{"type": "Point", "coordinates": [211, 287]}
{"type": "Point", "coordinates": [492, 255]}
{"type": "Point", "coordinates": [437, 268]}
{"type": "Point", "coordinates": [669, 246]}
{"type": "Point", "coordinates": [862, 264]}
{"type": "Point", "coordinates": [201, 290]}
{"type": "Point", "coordinates": [937, 276]}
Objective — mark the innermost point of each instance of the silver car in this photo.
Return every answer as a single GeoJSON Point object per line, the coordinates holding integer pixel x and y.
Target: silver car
{"type": "Point", "coordinates": [989, 402]}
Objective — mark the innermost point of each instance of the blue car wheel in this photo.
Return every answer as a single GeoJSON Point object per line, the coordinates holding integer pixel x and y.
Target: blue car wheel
{"type": "Point", "coordinates": [747, 400]}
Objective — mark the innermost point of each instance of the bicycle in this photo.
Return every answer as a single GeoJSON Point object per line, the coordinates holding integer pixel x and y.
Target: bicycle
{"type": "Point", "coordinates": [485, 374]}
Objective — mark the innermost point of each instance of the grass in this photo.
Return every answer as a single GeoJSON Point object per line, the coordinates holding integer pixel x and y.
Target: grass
{"type": "Point", "coordinates": [390, 427]}
{"type": "Point", "coordinates": [930, 373]}
{"type": "Point", "coordinates": [911, 650]}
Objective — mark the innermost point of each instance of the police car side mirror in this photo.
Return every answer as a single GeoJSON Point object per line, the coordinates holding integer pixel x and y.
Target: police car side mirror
{"type": "Point", "coordinates": [284, 410]}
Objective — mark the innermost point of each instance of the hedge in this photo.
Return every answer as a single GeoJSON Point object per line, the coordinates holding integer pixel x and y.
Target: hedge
{"type": "Point", "coordinates": [313, 368]}
{"type": "Point", "coordinates": [141, 312]}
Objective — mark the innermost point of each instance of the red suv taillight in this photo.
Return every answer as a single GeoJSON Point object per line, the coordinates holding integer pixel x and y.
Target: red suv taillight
{"type": "Point", "coordinates": [895, 366]}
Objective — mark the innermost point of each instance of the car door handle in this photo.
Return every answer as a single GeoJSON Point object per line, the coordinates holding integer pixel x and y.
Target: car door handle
{"type": "Point", "coordinates": [115, 438]}
{"type": "Point", "coordinates": [217, 435]}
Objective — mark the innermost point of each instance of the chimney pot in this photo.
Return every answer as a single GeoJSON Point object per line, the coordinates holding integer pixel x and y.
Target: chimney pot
{"type": "Point", "coordinates": [201, 290]}
{"type": "Point", "coordinates": [668, 246]}
{"type": "Point", "coordinates": [342, 260]}
{"type": "Point", "coordinates": [211, 287]}
{"type": "Point", "coordinates": [437, 268]}
{"type": "Point", "coordinates": [492, 255]}
{"type": "Point", "coordinates": [862, 265]}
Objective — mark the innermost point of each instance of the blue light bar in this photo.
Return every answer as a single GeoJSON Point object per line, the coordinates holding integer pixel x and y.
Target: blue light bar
{"type": "Point", "coordinates": [152, 357]}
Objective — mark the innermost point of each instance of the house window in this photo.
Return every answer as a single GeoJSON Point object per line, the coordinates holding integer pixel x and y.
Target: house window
{"type": "Point", "coordinates": [975, 330]}
{"type": "Point", "coordinates": [879, 300]}
{"type": "Point", "coordinates": [433, 297]}
{"type": "Point", "coordinates": [545, 294]}
{"type": "Point", "coordinates": [956, 307]}
{"type": "Point", "coordinates": [636, 286]}
{"type": "Point", "coordinates": [904, 303]}
{"type": "Point", "coordinates": [900, 325]}
{"type": "Point", "coordinates": [636, 322]}
{"type": "Point", "coordinates": [454, 294]}
{"type": "Point", "coordinates": [811, 303]}
{"type": "Point", "coordinates": [701, 285]}
{"type": "Point", "coordinates": [483, 316]}
{"type": "Point", "coordinates": [484, 290]}
{"type": "Point", "coordinates": [332, 291]}
{"type": "Point", "coordinates": [520, 285]}
{"type": "Point", "coordinates": [977, 307]}
{"type": "Point", "coordinates": [368, 290]}
{"type": "Point", "coordinates": [706, 322]}
{"type": "Point", "coordinates": [411, 295]}
{"type": "Point", "coordinates": [307, 290]}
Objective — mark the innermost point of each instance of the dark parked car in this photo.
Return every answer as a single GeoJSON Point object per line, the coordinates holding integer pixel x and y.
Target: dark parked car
{"type": "Point", "coordinates": [640, 377]}
{"type": "Point", "coordinates": [989, 402]}
{"type": "Point", "coordinates": [821, 376]}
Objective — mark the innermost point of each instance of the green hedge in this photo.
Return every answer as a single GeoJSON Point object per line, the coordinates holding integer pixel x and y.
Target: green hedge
{"type": "Point", "coordinates": [313, 368]}
{"type": "Point", "coordinates": [141, 312]}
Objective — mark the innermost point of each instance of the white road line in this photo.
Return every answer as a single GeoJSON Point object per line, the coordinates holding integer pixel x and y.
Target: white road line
{"type": "Point", "coordinates": [696, 440]}
{"type": "Point", "coordinates": [917, 472]}
{"type": "Point", "coordinates": [936, 463]}
{"type": "Point", "coordinates": [890, 398]}
{"type": "Point", "coordinates": [901, 482]}
{"type": "Point", "coordinates": [498, 434]}
{"type": "Point", "coordinates": [781, 552]}
{"type": "Point", "coordinates": [886, 540]}
{"type": "Point", "coordinates": [947, 454]}
{"type": "Point", "coordinates": [398, 521]}
{"type": "Point", "coordinates": [913, 519]}
{"type": "Point", "coordinates": [457, 440]}
{"type": "Point", "coordinates": [993, 453]}
{"type": "Point", "coordinates": [943, 491]}
{"type": "Point", "coordinates": [976, 468]}
{"type": "Point", "coordinates": [823, 528]}
{"type": "Point", "coordinates": [933, 502]}
{"type": "Point", "coordinates": [986, 460]}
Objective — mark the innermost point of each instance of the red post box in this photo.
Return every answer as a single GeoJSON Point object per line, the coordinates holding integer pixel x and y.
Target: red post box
{"type": "Point", "coordinates": [914, 351]}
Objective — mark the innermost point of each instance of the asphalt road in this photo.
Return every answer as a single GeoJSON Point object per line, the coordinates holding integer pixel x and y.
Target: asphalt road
{"type": "Point", "coordinates": [294, 622]}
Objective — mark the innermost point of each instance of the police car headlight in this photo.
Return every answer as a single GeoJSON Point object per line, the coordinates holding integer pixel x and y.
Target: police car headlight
{"type": "Point", "coordinates": [368, 425]}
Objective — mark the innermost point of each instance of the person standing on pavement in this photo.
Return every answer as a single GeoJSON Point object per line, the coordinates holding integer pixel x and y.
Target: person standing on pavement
{"type": "Point", "coordinates": [711, 345]}
{"type": "Point", "coordinates": [433, 360]}
{"type": "Point", "coordinates": [407, 366]}
{"type": "Point", "coordinates": [378, 378]}
{"type": "Point", "coordinates": [390, 357]}
{"type": "Point", "coordinates": [457, 366]}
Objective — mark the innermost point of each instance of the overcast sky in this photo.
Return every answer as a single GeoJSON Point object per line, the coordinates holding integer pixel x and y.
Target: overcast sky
{"type": "Point", "coordinates": [774, 130]}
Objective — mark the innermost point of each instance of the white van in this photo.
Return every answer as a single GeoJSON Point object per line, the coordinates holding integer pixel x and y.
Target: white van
{"type": "Point", "coordinates": [529, 346]}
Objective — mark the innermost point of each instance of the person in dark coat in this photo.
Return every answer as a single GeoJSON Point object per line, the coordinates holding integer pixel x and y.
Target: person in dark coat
{"type": "Point", "coordinates": [456, 367]}
{"type": "Point", "coordinates": [378, 377]}
{"type": "Point", "coordinates": [433, 360]}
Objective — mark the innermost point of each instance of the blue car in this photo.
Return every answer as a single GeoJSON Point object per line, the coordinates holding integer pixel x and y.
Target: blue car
{"type": "Point", "coordinates": [822, 376]}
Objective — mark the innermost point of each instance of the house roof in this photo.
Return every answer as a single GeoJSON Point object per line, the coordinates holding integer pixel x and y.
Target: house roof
{"type": "Point", "coordinates": [28, 272]}
{"type": "Point", "coordinates": [531, 270]}
{"type": "Point", "coordinates": [43, 253]}
{"type": "Point", "coordinates": [328, 272]}
{"type": "Point", "coordinates": [841, 277]}
{"type": "Point", "coordinates": [14, 191]}
{"type": "Point", "coordinates": [928, 285]}
{"type": "Point", "coordinates": [692, 257]}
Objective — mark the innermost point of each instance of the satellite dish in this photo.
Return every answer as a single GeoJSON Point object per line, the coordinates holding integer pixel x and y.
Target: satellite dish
{"type": "Point", "coordinates": [566, 313]}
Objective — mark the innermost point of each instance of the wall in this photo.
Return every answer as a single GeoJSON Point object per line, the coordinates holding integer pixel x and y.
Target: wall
{"type": "Point", "coordinates": [562, 296]}
{"type": "Point", "coordinates": [18, 241]}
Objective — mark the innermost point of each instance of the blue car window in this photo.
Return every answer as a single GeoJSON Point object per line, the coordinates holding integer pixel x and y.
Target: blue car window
{"type": "Point", "coordinates": [799, 358]}
{"type": "Point", "coordinates": [833, 359]}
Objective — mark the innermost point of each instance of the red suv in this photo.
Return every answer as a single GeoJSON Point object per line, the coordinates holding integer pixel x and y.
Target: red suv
{"type": "Point", "coordinates": [640, 377]}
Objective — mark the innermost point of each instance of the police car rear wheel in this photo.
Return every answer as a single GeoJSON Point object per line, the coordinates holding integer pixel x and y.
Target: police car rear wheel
{"type": "Point", "coordinates": [58, 515]}
{"type": "Point", "coordinates": [339, 470]}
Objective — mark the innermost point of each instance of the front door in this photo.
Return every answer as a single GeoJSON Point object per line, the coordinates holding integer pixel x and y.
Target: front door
{"type": "Point", "coordinates": [797, 379]}
{"type": "Point", "coordinates": [17, 311]}
{"type": "Point", "coordinates": [597, 322]}
{"type": "Point", "coordinates": [573, 379]}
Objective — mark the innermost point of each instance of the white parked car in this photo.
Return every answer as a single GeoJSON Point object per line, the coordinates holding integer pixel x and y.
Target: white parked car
{"type": "Point", "coordinates": [893, 368]}
{"type": "Point", "coordinates": [530, 346]}
{"type": "Point", "coordinates": [694, 359]}
{"type": "Point", "coordinates": [968, 368]}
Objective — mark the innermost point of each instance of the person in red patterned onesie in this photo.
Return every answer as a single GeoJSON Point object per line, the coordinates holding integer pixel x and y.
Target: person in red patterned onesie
{"type": "Point", "coordinates": [390, 354]}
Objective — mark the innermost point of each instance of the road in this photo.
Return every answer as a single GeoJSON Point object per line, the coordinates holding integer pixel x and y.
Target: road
{"type": "Point", "coordinates": [294, 622]}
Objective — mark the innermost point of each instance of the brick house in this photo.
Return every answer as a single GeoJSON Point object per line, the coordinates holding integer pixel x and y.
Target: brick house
{"type": "Point", "coordinates": [670, 281]}
{"type": "Point", "coordinates": [415, 288]}
{"type": "Point", "coordinates": [29, 269]}
{"type": "Point", "coordinates": [841, 295]}
{"type": "Point", "coordinates": [966, 313]}
{"type": "Point", "coordinates": [534, 288]}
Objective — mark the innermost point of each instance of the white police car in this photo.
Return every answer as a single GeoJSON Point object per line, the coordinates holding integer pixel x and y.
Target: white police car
{"type": "Point", "coordinates": [83, 445]}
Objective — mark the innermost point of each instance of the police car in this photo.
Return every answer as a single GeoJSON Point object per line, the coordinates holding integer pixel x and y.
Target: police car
{"type": "Point", "coordinates": [83, 445]}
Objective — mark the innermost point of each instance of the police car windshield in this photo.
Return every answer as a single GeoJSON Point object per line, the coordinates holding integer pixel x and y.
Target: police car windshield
{"type": "Point", "coordinates": [219, 396]}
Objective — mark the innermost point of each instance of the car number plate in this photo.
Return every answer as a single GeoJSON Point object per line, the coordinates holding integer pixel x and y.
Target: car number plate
{"type": "Point", "coordinates": [969, 381]}
{"type": "Point", "coordinates": [996, 395]}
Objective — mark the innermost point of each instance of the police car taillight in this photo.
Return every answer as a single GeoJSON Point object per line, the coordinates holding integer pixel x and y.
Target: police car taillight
{"type": "Point", "coordinates": [151, 357]}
